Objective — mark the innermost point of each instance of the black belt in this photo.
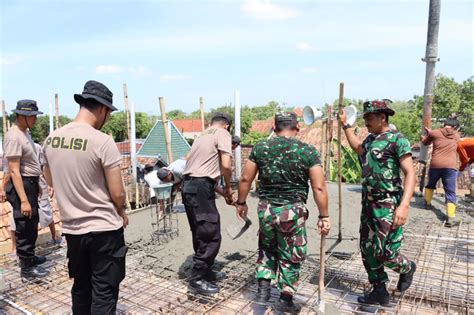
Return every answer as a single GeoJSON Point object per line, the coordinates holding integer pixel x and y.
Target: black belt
{"type": "Point", "coordinates": [31, 178]}
{"type": "Point", "coordinates": [206, 179]}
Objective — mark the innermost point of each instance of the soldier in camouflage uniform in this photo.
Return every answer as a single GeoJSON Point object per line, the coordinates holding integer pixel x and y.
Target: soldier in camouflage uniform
{"type": "Point", "coordinates": [385, 201]}
{"type": "Point", "coordinates": [285, 165]}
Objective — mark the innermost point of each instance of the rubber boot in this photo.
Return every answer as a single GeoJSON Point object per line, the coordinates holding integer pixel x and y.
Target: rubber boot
{"type": "Point", "coordinates": [263, 293]}
{"type": "Point", "coordinates": [379, 295]}
{"type": "Point", "coordinates": [428, 197]}
{"type": "Point", "coordinates": [405, 280]}
{"type": "Point", "coordinates": [286, 305]}
{"type": "Point", "coordinates": [450, 212]}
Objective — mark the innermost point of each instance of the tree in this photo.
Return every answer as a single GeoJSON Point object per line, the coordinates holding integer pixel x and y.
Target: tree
{"type": "Point", "coordinates": [176, 114]}
{"type": "Point", "coordinates": [117, 126]}
{"type": "Point", "coordinates": [40, 130]}
{"type": "Point", "coordinates": [253, 137]}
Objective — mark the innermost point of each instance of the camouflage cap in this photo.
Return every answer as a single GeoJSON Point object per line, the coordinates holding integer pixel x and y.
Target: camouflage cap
{"type": "Point", "coordinates": [378, 106]}
{"type": "Point", "coordinates": [288, 117]}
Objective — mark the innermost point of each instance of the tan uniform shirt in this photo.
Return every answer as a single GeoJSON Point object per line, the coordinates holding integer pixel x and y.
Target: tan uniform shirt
{"type": "Point", "coordinates": [18, 144]}
{"type": "Point", "coordinates": [204, 159]}
{"type": "Point", "coordinates": [77, 155]}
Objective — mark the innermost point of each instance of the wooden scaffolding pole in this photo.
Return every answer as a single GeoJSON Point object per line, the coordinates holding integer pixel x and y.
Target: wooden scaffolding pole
{"type": "Point", "coordinates": [56, 114]}
{"type": "Point", "coordinates": [4, 121]}
{"type": "Point", "coordinates": [339, 158]}
{"type": "Point", "coordinates": [126, 111]}
{"type": "Point", "coordinates": [166, 129]}
{"type": "Point", "coordinates": [201, 106]}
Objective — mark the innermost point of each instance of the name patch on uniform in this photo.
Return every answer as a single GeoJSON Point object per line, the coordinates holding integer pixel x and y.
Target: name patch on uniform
{"type": "Point", "coordinates": [76, 144]}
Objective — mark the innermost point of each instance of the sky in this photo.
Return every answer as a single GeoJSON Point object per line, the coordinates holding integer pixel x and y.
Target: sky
{"type": "Point", "coordinates": [293, 52]}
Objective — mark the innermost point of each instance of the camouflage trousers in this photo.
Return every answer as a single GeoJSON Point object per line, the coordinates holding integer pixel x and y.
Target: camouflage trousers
{"type": "Point", "coordinates": [379, 243]}
{"type": "Point", "coordinates": [281, 244]}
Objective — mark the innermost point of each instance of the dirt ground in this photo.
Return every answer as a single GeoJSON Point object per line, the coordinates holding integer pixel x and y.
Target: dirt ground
{"type": "Point", "coordinates": [177, 253]}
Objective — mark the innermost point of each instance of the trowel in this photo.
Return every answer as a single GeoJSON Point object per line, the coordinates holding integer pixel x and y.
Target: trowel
{"type": "Point", "coordinates": [237, 229]}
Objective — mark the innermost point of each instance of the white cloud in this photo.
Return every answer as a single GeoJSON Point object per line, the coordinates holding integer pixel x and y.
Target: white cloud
{"type": "Point", "coordinates": [9, 61]}
{"type": "Point", "coordinates": [305, 47]}
{"type": "Point", "coordinates": [265, 10]}
{"type": "Point", "coordinates": [309, 70]}
{"type": "Point", "coordinates": [140, 71]}
{"type": "Point", "coordinates": [174, 77]}
{"type": "Point", "coordinates": [108, 69]}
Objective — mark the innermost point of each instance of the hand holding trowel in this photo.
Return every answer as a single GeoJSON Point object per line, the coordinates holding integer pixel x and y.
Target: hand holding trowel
{"type": "Point", "coordinates": [238, 228]}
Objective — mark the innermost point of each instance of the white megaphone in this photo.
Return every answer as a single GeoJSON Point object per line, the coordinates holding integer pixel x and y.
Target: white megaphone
{"type": "Point", "coordinates": [311, 114]}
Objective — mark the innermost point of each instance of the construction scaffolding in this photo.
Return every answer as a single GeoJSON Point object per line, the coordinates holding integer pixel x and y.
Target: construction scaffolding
{"type": "Point", "coordinates": [443, 283]}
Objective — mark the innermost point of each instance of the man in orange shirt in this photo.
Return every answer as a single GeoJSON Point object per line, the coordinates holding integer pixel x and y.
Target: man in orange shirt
{"type": "Point", "coordinates": [466, 156]}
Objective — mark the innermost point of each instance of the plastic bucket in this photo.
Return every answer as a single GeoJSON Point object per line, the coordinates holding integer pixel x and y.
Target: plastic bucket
{"type": "Point", "coordinates": [163, 191]}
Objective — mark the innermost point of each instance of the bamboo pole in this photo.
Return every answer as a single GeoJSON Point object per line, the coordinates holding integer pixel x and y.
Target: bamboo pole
{"type": "Point", "coordinates": [165, 128]}
{"type": "Point", "coordinates": [324, 135]}
{"type": "Point", "coordinates": [56, 105]}
{"type": "Point", "coordinates": [329, 131]}
{"type": "Point", "coordinates": [127, 111]}
{"type": "Point", "coordinates": [201, 106]}
{"type": "Point", "coordinates": [4, 121]}
{"type": "Point", "coordinates": [339, 159]}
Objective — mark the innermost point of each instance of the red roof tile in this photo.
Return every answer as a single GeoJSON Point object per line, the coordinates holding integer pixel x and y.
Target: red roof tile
{"type": "Point", "coordinates": [124, 146]}
{"type": "Point", "coordinates": [298, 111]}
{"type": "Point", "coordinates": [263, 126]}
{"type": "Point", "coordinates": [188, 125]}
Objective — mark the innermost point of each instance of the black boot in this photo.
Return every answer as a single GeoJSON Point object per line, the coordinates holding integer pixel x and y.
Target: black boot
{"type": "Point", "coordinates": [405, 280]}
{"type": "Point", "coordinates": [203, 287]}
{"type": "Point", "coordinates": [286, 305]}
{"type": "Point", "coordinates": [212, 275]}
{"type": "Point", "coordinates": [263, 293]}
{"type": "Point", "coordinates": [30, 271]}
{"type": "Point", "coordinates": [379, 295]}
{"type": "Point", "coordinates": [38, 260]}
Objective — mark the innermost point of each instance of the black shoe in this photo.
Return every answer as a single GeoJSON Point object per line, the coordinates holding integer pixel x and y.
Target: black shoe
{"type": "Point", "coordinates": [38, 260]}
{"type": "Point", "coordinates": [286, 306]}
{"type": "Point", "coordinates": [263, 292]}
{"type": "Point", "coordinates": [214, 275]}
{"type": "Point", "coordinates": [406, 279]}
{"type": "Point", "coordinates": [33, 272]}
{"type": "Point", "coordinates": [204, 287]}
{"type": "Point", "coordinates": [379, 295]}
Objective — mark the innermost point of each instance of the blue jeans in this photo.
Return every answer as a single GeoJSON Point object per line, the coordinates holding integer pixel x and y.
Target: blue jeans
{"type": "Point", "coordinates": [448, 177]}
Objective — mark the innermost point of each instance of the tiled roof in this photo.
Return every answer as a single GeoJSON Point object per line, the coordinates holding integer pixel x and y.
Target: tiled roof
{"type": "Point", "coordinates": [124, 146]}
{"type": "Point", "coordinates": [263, 126]}
{"type": "Point", "coordinates": [188, 125]}
{"type": "Point", "coordinates": [5, 217]}
{"type": "Point", "coordinates": [298, 111]}
{"type": "Point", "coordinates": [155, 144]}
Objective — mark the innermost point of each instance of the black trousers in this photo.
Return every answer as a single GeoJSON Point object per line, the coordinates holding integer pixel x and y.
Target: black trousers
{"type": "Point", "coordinates": [97, 264]}
{"type": "Point", "coordinates": [26, 228]}
{"type": "Point", "coordinates": [204, 221]}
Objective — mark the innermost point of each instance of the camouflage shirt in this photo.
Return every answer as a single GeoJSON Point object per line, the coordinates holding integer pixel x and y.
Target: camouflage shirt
{"type": "Point", "coordinates": [380, 162]}
{"type": "Point", "coordinates": [283, 165]}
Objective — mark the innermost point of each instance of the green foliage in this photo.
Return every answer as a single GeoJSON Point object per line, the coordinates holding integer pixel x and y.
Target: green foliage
{"type": "Point", "coordinates": [351, 169]}
{"type": "Point", "coordinates": [40, 130]}
{"type": "Point", "coordinates": [176, 114]}
{"type": "Point", "coordinates": [253, 137]}
{"type": "Point", "coordinates": [450, 97]}
{"type": "Point", "coordinates": [407, 120]}
{"type": "Point", "coordinates": [117, 126]}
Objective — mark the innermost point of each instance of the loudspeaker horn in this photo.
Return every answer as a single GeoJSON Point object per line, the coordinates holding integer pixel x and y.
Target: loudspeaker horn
{"type": "Point", "coordinates": [311, 114]}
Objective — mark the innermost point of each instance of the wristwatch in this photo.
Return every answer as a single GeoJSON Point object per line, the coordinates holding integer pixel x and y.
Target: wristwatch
{"type": "Point", "coordinates": [346, 126]}
{"type": "Point", "coordinates": [240, 203]}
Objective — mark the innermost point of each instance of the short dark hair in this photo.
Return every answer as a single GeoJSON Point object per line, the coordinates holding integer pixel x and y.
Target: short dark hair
{"type": "Point", "coordinates": [221, 118]}
{"type": "Point", "coordinates": [236, 140]}
{"type": "Point", "coordinates": [90, 104]}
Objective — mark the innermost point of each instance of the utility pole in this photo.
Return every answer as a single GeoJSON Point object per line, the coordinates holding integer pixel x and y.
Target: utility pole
{"type": "Point", "coordinates": [431, 57]}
